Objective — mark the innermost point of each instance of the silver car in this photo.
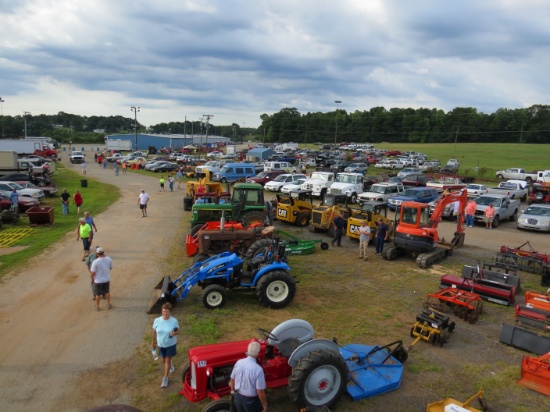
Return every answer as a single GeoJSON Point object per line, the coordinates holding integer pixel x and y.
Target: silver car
{"type": "Point", "coordinates": [535, 217]}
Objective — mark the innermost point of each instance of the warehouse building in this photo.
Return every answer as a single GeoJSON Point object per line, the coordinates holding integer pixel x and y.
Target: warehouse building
{"type": "Point", "coordinates": [172, 141]}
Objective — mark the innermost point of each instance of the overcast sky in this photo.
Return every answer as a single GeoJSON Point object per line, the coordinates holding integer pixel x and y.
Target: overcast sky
{"type": "Point", "coordinates": [238, 59]}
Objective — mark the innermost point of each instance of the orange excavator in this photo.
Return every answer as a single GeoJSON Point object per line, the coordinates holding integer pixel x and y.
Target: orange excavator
{"type": "Point", "coordinates": [416, 231]}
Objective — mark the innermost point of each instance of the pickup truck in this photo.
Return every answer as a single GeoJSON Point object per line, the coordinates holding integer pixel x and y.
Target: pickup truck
{"type": "Point", "coordinates": [319, 183]}
{"type": "Point", "coordinates": [447, 183]}
{"type": "Point", "coordinates": [513, 190]}
{"type": "Point", "coordinates": [505, 208]}
{"type": "Point", "coordinates": [76, 157]}
{"type": "Point", "coordinates": [517, 173]}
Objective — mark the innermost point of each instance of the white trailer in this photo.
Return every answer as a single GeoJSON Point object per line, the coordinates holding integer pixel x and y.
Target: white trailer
{"type": "Point", "coordinates": [21, 147]}
{"type": "Point", "coordinates": [119, 144]}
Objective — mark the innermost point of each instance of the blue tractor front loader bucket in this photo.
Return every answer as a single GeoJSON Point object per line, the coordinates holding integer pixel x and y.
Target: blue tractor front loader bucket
{"type": "Point", "coordinates": [161, 295]}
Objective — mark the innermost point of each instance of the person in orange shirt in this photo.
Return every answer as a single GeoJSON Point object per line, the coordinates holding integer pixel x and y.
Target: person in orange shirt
{"type": "Point", "coordinates": [489, 216]}
{"type": "Point", "coordinates": [470, 211]}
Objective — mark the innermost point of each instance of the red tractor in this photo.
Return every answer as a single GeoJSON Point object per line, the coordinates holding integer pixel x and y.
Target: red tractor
{"type": "Point", "coordinates": [316, 371]}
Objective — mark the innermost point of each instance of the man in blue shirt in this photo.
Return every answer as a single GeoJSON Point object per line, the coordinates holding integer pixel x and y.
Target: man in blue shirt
{"type": "Point", "coordinates": [90, 220]}
{"type": "Point", "coordinates": [338, 224]}
{"type": "Point", "coordinates": [14, 197]}
{"type": "Point", "coordinates": [248, 382]}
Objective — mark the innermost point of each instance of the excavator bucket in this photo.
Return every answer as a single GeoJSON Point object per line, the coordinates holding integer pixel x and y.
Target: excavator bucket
{"type": "Point", "coordinates": [535, 373]}
{"type": "Point", "coordinates": [161, 295]}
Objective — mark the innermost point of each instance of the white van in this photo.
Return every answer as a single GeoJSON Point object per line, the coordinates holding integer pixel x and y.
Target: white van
{"type": "Point", "coordinates": [287, 167]}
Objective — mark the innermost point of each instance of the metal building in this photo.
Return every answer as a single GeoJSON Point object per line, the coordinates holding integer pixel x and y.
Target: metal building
{"type": "Point", "coordinates": [172, 141]}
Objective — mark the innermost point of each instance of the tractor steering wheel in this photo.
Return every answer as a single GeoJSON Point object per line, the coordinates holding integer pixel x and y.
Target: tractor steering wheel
{"type": "Point", "coordinates": [267, 335]}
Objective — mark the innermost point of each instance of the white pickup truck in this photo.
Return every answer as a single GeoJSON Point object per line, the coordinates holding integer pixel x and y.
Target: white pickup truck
{"type": "Point", "coordinates": [517, 173]}
{"type": "Point", "coordinates": [76, 157]}
{"type": "Point", "coordinates": [514, 190]}
{"type": "Point", "coordinates": [505, 208]}
{"type": "Point", "coordinates": [319, 183]}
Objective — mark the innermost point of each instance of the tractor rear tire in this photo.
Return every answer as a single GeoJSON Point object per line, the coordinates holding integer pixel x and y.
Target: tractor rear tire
{"type": "Point", "coordinates": [196, 228]}
{"type": "Point", "coordinates": [201, 257]}
{"type": "Point", "coordinates": [319, 379]}
{"type": "Point", "coordinates": [221, 405]}
{"type": "Point", "coordinates": [276, 289]}
{"type": "Point", "coordinates": [213, 296]}
{"type": "Point", "coordinates": [258, 247]}
{"type": "Point", "coordinates": [253, 217]}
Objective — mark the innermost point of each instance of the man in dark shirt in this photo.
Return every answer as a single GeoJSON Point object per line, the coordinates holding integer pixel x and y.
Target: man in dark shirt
{"type": "Point", "coordinates": [338, 224]}
{"type": "Point", "coordinates": [65, 197]}
{"type": "Point", "coordinates": [381, 236]}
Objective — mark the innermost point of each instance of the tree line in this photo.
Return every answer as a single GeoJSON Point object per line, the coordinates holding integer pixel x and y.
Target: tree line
{"type": "Point", "coordinates": [462, 124]}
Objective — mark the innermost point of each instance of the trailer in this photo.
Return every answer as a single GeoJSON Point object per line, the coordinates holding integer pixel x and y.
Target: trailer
{"type": "Point", "coordinates": [21, 147]}
{"type": "Point", "coordinates": [118, 144]}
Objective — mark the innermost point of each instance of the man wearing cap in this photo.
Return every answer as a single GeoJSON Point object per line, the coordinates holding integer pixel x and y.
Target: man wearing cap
{"type": "Point", "coordinates": [91, 257]}
{"type": "Point", "coordinates": [381, 236]}
{"type": "Point", "coordinates": [84, 231]}
{"type": "Point", "coordinates": [100, 272]}
{"type": "Point", "coordinates": [489, 215]}
{"type": "Point", "coordinates": [143, 199]}
{"type": "Point", "coordinates": [248, 382]}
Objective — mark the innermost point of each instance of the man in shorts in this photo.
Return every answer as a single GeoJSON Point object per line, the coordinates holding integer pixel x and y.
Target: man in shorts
{"type": "Point", "coordinates": [142, 202]}
{"type": "Point", "coordinates": [100, 272]}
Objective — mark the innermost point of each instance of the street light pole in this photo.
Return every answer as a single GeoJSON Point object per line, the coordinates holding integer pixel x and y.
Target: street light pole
{"type": "Point", "coordinates": [135, 110]}
{"type": "Point", "coordinates": [2, 114]}
{"type": "Point", "coordinates": [336, 132]}
{"type": "Point", "coordinates": [25, 114]}
{"type": "Point", "coordinates": [208, 116]}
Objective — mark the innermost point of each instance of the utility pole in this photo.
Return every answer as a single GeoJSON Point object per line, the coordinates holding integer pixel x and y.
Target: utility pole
{"type": "Point", "coordinates": [2, 114]}
{"type": "Point", "coordinates": [208, 117]}
{"type": "Point", "coordinates": [135, 110]}
{"type": "Point", "coordinates": [456, 139]}
{"type": "Point", "coordinates": [25, 114]}
{"type": "Point", "coordinates": [336, 132]}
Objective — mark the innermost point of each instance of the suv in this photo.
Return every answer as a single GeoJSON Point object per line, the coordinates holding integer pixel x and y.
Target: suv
{"type": "Point", "coordinates": [381, 192]}
{"type": "Point", "coordinates": [415, 180]}
{"type": "Point", "coordinates": [264, 177]}
{"type": "Point", "coordinates": [414, 194]}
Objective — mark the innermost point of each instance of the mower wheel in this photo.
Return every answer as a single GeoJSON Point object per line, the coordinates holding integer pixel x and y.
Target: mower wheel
{"type": "Point", "coordinates": [195, 229]}
{"type": "Point", "coordinates": [221, 405]}
{"type": "Point", "coordinates": [319, 379]}
{"type": "Point", "coordinates": [200, 257]}
{"type": "Point", "coordinates": [213, 296]}
{"type": "Point", "coordinates": [186, 370]}
{"type": "Point", "coordinates": [324, 245]}
{"type": "Point", "coordinates": [253, 217]}
{"type": "Point", "coordinates": [276, 289]}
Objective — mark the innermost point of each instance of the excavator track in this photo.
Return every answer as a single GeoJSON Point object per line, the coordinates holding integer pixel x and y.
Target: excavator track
{"type": "Point", "coordinates": [426, 260]}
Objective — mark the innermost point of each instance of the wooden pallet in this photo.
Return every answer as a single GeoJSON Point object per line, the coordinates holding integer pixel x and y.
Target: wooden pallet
{"type": "Point", "coordinates": [10, 236]}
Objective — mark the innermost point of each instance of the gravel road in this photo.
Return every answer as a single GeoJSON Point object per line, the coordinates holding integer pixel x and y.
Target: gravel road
{"type": "Point", "coordinates": [49, 333]}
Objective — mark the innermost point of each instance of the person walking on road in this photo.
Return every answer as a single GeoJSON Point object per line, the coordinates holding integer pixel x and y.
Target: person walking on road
{"type": "Point", "coordinates": [116, 168]}
{"type": "Point", "coordinates": [489, 215]}
{"type": "Point", "coordinates": [248, 382]}
{"type": "Point", "coordinates": [85, 232]}
{"type": "Point", "coordinates": [381, 236]}
{"type": "Point", "coordinates": [77, 201]}
{"type": "Point", "coordinates": [100, 272]}
{"type": "Point", "coordinates": [338, 224]}
{"type": "Point", "coordinates": [470, 211]}
{"type": "Point", "coordinates": [91, 257]}
{"type": "Point", "coordinates": [84, 167]}
{"type": "Point", "coordinates": [179, 176]}
{"type": "Point", "coordinates": [161, 181]}
{"type": "Point", "coordinates": [171, 182]}
{"type": "Point", "coordinates": [124, 167]}
{"type": "Point", "coordinates": [90, 220]}
{"type": "Point", "coordinates": [364, 238]}
{"type": "Point", "coordinates": [165, 331]}
{"type": "Point", "coordinates": [143, 200]}
{"type": "Point", "coordinates": [65, 198]}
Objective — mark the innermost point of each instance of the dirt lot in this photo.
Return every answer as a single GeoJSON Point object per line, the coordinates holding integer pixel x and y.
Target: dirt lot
{"type": "Point", "coordinates": [58, 354]}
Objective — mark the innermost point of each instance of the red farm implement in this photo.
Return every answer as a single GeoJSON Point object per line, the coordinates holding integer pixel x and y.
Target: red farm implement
{"type": "Point", "coordinates": [523, 257]}
{"type": "Point", "coordinates": [466, 305]}
{"type": "Point", "coordinates": [535, 373]}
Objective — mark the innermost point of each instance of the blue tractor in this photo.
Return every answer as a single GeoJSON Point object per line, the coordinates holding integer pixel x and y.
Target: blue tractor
{"type": "Point", "coordinates": [264, 270]}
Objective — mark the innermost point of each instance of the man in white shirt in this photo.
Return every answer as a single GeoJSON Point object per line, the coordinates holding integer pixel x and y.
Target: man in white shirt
{"type": "Point", "coordinates": [364, 238]}
{"type": "Point", "coordinates": [248, 382]}
{"type": "Point", "coordinates": [101, 277]}
{"type": "Point", "coordinates": [142, 202]}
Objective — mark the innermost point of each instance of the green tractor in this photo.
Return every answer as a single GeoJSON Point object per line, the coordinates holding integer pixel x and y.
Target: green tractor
{"type": "Point", "coordinates": [246, 206]}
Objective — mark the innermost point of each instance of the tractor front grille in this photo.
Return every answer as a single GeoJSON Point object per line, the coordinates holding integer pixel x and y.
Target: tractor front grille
{"type": "Point", "coordinates": [317, 217]}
